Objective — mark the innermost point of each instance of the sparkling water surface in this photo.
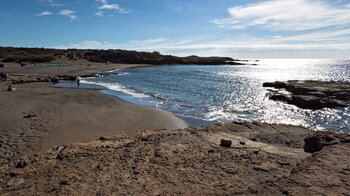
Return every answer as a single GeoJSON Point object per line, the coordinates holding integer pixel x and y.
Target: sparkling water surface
{"type": "Point", "coordinates": [231, 93]}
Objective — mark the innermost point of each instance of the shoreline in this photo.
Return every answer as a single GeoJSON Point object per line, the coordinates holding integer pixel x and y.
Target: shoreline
{"type": "Point", "coordinates": [149, 154]}
{"type": "Point", "coordinates": [191, 121]}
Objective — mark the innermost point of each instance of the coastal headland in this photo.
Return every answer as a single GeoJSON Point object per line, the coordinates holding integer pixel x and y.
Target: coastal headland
{"type": "Point", "coordinates": [81, 142]}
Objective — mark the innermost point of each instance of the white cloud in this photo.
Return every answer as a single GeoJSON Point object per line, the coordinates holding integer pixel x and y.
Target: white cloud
{"type": "Point", "coordinates": [99, 13]}
{"type": "Point", "coordinates": [68, 13]}
{"type": "Point", "coordinates": [147, 41]}
{"type": "Point", "coordinates": [102, 1]}
{"type": "Point", "coordinates": [45, 13]}
{"type": "Point", "coordinates": [287, 15]}
{"type": "Point", "coordinates": [107, 6]}
{"type": "Point", "coordinates": [91, 44]}
{"type": "Point", "coordinates": [239, 47]}
{"type": "Point", "coordinates": [51, 3]}
{"type": "Point", "coordinates": [320, 36]}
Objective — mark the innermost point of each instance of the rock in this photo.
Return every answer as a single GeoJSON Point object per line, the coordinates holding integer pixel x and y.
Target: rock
{"type": "Point", "coordinates": [3, 76]}
{"type": "Point", "coordinates": [254, 139]}
{"type": "Point", "coordinates": [261, 168]}
{"type": "Point", "coordinates": [283, 163]}
{"type": "Point", "coordinates": [14, 183]}
{"type": "Point", "coordinates": [20, 164]}
{"type": "Point", "coordinates": [54, 79]}
{"type": "Point", "coordinates": [57, 149]}
{"type": "Point", "coordinates": [256, 151]}
{"type": "Point", "coordinates": [30, 116]}
{"type": "Point", "coordinates": [344, 96]}
{"type": "Point", "coordinates": [231, 171]}
{"type": "Point", "coordinates": [220, 124]}
{"type": "Point", "coordinates": [318, 94]}
{"type": "Point", "coordinates": [226, 143]}
{"type": "Point", "coordinates": [103, 139]}
{"type": "Point", "coordinates": [311, 94]}
{"type": "Point", "coordinates": [10, 88]}
{"type": "Point", "coordinates": [317, 142]}
{"type": "Point", "coordinates": [242, 142]}
{"type": "Point", "coordinates": [275, 84]}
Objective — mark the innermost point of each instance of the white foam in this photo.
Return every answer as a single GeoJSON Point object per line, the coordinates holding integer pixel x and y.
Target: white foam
{"type": "Point", "coordinates": [117, 87]}
{"type": "Point", "coordinates": [113, 70]}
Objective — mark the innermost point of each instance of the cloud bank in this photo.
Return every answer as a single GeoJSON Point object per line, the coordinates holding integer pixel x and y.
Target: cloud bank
{"type": "Point", "coordinates": [287, 15]}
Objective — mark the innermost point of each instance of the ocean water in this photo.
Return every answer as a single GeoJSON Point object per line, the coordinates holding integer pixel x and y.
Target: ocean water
{"type": "Point", "coordinates": [230, 93]}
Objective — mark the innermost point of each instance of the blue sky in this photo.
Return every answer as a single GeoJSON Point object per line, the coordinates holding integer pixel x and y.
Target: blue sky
{"type": "Point", "coordinates": [236, 28]}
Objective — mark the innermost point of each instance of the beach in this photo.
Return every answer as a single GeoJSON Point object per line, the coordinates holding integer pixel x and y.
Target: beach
{"type": "Point", "coordinates": [38, 116]}
{"type": "Point", "coordinates": [108, 97]}
{"type": "Point", "coordinates": [74, 141]}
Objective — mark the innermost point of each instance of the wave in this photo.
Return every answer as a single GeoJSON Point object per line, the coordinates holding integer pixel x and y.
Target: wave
{"type": "Point", "coordinates": [112, 70]}
{"type": "Point", "coordinates": [118, 87]}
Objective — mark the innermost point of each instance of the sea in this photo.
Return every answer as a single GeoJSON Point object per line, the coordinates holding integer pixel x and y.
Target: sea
{"type": "Point", "coordinates": [230, 92]}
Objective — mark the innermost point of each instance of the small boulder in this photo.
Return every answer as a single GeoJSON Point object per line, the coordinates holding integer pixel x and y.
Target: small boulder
{"type": "Point", "coordinates": [20, 164]}
{"type": "Point", "coordinates": [10, 88]}
{"type": "Point", "coordinates": [226, 143]}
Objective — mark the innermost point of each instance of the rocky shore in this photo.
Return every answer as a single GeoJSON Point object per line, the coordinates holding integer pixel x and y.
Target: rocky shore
{"type": "Point", "coordinates": [261, 159]}
{"type": "Point", "coordinates": [78, 142]}
{"type": "Point", "coordinates": [311, 94]}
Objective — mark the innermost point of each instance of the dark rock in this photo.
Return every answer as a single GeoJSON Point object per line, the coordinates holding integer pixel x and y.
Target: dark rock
{"type": "Point", "coordinates": [275, 84]}
{"type": "Point", "coordinates": [20, 164]}
{"type": "Point", "coordinates": [311, 94]}
{"type": "Point", "coordinates": [102, 139]}
{"type": "Point", "coordinates": [3, 76]}
{"type": "Point", "coordinates": [30, 116]}
{"type": "Point", "coordinates": [226, 143]}
{"type": "Point", "coordinates": [54, 79]}
{"type": "Point", "coordinates": [254, 139]}
{"type": "Point", "coordinates": [281, 97]}
{"type": "Point", "coordinates": [283, 163]}
{"type": "Point", "coordinates": [285, 192]}
{"type": "Point", "coordinates": [231, 171]}
{"type": "Point", "coordinates": [242, 142]}
{"type": "Point", "coordinates": [318, 94]}
{"type": "Point", "coordinates": [64, 182]}
{"type": "Point", "coordinates": [261, 168]}
{"type": "Point", "coordinates": [10, 88]}
{"type": "Point", "coordinates": [344, 96]}
{"type": "Point", "coordinates": [317, 142]}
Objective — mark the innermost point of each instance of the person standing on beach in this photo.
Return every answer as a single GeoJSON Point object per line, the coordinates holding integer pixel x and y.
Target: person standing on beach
{"type": "Point", "coordinates": [77, 80]}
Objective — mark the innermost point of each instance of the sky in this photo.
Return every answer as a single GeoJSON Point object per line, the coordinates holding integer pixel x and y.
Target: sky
{"type": "Point", "coordinates": [235, 28]}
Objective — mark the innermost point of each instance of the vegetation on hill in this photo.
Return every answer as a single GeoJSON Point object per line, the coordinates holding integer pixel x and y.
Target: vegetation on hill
{"type": "Point", "coordinates": [41, 55]}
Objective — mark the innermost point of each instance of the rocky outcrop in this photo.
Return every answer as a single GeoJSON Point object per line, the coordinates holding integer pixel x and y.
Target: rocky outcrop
{"type": "Point", "coordinates": [310, 94]}
{"type": "Point", "coordinates": [191, 161]}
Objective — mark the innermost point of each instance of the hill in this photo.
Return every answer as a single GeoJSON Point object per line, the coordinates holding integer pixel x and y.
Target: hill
{"type": "Point", "coordinates": [42, 55]}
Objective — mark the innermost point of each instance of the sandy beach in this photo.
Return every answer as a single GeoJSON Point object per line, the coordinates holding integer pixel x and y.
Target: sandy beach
{"type": "Point", "coordinates": [37, 117]}
{"type": "Point", "coordinates": [76, 141]}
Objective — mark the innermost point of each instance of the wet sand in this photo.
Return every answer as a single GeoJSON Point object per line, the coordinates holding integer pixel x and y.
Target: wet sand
{"type": "Point", "coordinates": [72, 68]}
{"type": "Point", "coordinates": [37, 117]}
